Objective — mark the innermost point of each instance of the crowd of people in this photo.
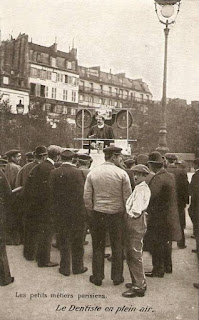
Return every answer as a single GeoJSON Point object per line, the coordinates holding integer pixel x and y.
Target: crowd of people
{"type": "Point", "coordinates": [139, 203]}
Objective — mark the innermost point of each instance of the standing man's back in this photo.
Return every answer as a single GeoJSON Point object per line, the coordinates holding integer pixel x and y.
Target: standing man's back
{"type": "Point", "coordinates": [106, 190]}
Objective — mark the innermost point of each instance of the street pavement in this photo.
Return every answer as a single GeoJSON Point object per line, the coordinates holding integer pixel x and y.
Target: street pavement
{"type": "Point", "coordinates": [43, 293]}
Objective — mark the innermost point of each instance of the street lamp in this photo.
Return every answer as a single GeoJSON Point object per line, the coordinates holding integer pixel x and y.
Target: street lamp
{"type": "Point", "coordinates": [167, 11]}
{"type": "Point", "coordinates": [20, 111]}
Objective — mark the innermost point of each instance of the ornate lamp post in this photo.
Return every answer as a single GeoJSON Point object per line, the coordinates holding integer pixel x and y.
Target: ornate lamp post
{"type": "Point", "coordinates": [167, 11]}
{"type": "Point", "coordinates": [20, 111]}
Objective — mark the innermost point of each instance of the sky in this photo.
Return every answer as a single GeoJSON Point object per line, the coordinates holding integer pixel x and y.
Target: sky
{"type": "Point", "coordinates": [121, 35]}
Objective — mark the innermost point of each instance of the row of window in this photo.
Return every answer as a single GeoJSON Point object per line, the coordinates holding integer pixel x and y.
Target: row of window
{"type": "Point", "coordinates": [47, 92]}
{"type": "Point", "coordinates": [59, 109]}
{"type": "Point", "coordinates": [53, 76]}
{"type": "Point", "coordinates": [41, 57]}
{"type": "Point", "coordinates": [111, 91]}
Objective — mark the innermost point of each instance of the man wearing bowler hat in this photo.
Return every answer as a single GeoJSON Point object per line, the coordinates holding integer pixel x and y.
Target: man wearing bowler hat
{"type": "Point", "coordinates": [40, 155]}
{"type": "Point", "coordinates": [67, 185]}
{"type": "Point", "coordinates": [39, 214]}
{"type": "Point", "coordinates": [163, 223]}
{"type": "Point", "coordinates": [107, 188]}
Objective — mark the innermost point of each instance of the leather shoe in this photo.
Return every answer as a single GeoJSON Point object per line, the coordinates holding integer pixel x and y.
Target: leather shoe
{"type": "Point", "coordinates": [132, 293]}
{"type": "Point", "coordinates": [128, 285]}
{"type": "Point", "coordinates": [196, 285]}
{"type": "Point", "coordinates": [106, 255]}
{"type": "Point", "coordinates": [48, 265]}
{"type": "Point", "coordinates": [117, 282]}
{"type": "Point", "coordinates": [95, 281]}
{"type": "Point", "coordinates": [64, 274]}
{"type": "Point", "coordinates": [5, 284]}
{"type": "Point", "coordinates": [168, 270]}
{"type": "Point", "coordinates": [81, 271]}
{"type": "Point", "coordinates": [153, 275]}
{"type": "Point", "coordinates": [193, 237]}
{"type": "Point", "coordinates": [182, 247]}
{"type": "Point", "coordinates": [194, 250]}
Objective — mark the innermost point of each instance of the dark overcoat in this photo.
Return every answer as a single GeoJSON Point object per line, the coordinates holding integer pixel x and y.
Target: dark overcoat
{"type": "Point", "coordinates": [67, 186]}
{"type": "Point", "coordinates": [194, 193]}
{"type": "Point", "coordinates": [5, 194]}
{"type": "Point", "coordinates": [163, 217]}
{"type": "Point", "coordinates": [182, 190]}
{"type": "Point", "coordinates": [37, 193]}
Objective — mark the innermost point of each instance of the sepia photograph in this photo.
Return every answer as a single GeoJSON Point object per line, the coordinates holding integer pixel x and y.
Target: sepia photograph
{"type": "Point", "coordinates": [99, 159]}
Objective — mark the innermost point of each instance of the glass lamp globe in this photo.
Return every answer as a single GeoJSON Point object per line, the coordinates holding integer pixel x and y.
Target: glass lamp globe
{"type": "Point", "coordinates": [167, 11]}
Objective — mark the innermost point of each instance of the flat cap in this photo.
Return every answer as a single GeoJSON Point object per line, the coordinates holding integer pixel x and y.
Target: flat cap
{"type": "Point", "coordinates": [142, 159]}
{"type": "Point", "coordinates": [141, 168]}
{"type": "Point", "coordinates": [40, 151]}
{"type": "Point", "coordinates": [155, 157]}
{"type": "Point", "coordinates": [171, 156]}
{"type": "Point", "coordinates": [83, 156]}
{"type": "Point", "coordinates": [112, 150]}
{"type": "Point", "coordinates": [12, 152]}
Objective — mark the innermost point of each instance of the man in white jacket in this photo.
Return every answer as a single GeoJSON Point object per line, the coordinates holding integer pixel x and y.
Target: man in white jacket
{"type": "Point", "coordinates": [106, 190]}
{"type": "Point", "coordinates": [136, 206]}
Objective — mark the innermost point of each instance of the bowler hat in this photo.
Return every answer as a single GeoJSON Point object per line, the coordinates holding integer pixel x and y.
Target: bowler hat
{"type": "Point", "coordinates": [67, 154]}
{"type": "Point", "coordinates": [155, 157]}
{"type": "Point", "coordinates": [141, 168]}
{"type": "Point", "coordinates": [171, 156]}
{"type": "Point", "coordinates": [112, 150]}
{"type": "Point", "coordinates": [11, 153]}
{"type": "Point", "coordinates": [40, 151]}
{"type": "Point", "coordinates": [3, 162]}
{"type": "Point", "coordinates": [29, 155]}
{"type": "Point", "coordinates": [142, 159]}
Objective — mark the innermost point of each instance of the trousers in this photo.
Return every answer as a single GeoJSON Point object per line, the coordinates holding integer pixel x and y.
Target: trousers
{"type": "Point", "coordinates": [99, 224]}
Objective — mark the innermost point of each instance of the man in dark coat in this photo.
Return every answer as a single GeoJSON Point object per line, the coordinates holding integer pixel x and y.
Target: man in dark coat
{"type": "Point", "coordinates": [13, 219]}
{"type": "Point", "coordinates": [67, 185]}
{"type": "Point", "coordinates": [182, 191]}
{"type": "Point", "coordinates": [194, 206]}
{"type": "Point", "coordinates": [5, 193]}
{"type": "Point", "coordinates": [39, 217]}
{"type": "Point", "coordinates": [101, 131]}
{"type": "Point", "coordinates": [163, 223]}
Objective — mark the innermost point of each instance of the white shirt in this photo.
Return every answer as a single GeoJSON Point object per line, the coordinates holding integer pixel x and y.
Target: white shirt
{"type": "Point", "coordinates": [138, 200]}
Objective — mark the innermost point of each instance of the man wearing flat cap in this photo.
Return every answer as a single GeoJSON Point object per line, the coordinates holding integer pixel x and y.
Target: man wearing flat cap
{"type": "Point", "coordinates": [182, 191]}
{"type": "Point", "coordinates": [163, 223]}
{"type": "Point", "coordinates": [136, 207]}
{"type": "Point", "coordinates": [67, 185]}
{"type": "Point", "coordinates": [37, 191]}
{"type": "Point", "coordinates": [106, 190]}
{"type": "Point", "coordinates": [13, 216]}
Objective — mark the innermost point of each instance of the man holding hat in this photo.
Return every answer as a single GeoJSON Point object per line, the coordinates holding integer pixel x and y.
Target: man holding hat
{"type": "Point", "coordinates": [136, 206]}
{"type": "Point", "coordinates": [67, 185]}
{"type": "Point", "coordinates": [106, 190]}
{"type": "Point", "coordinates": [163, 223]}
